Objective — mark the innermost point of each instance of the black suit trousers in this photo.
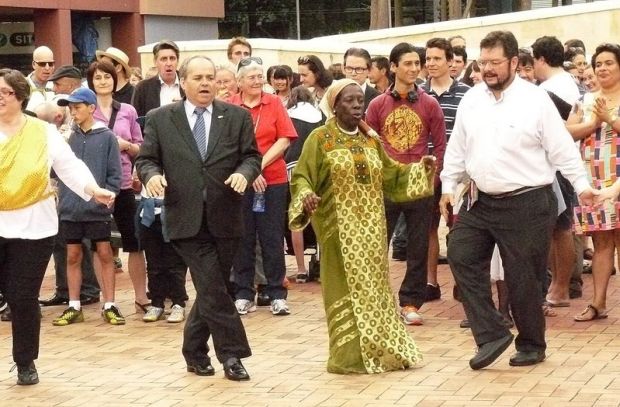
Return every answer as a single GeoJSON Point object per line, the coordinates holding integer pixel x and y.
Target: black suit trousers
{"type": "Point", "coordinates": [213, 314]}
{"type": "Point", "coordinates": [521, 226]}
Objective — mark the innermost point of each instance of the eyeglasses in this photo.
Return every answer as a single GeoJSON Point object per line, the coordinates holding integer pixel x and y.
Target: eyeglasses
{"type": "Point", "coordinates": [248, 61]}
{"type": "Point", "coordinates": [358, 70]}
{"type": "Point", "coordinates": [43, 64]}
{"type": "Point", "coordinates": [4, 92]}
{"type": "Point", "coordinates": [494, 64]}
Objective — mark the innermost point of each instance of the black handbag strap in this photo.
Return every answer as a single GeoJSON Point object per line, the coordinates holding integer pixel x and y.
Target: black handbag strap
{"type": "Point", "coordinates": [116, 106]}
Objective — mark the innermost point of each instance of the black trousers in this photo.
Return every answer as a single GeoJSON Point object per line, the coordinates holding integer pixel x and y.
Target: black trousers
{"type": "Point", "coordinates": [165, 269]}
{"type": "Point", "coordinates": [269, 227]}
{"type": "Point", "coordinates": [22, 267]}
{"type": "Point", "coordinates": [214, 314]}
{"type": "Point", "coordinates": [418, 215]}
{"type": "Point", "coordinates": [521, 226]}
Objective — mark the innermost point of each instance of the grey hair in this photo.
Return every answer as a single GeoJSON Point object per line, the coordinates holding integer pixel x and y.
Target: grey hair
{"type": "Point", "coordinates": [243, 70]}
{"type": "Point", "coordinates": [186, 62]}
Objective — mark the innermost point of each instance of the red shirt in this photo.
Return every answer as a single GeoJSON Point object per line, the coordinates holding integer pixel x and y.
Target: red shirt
{"type": "Point", "coordinates": [271, 122]}
{"type": "Point", "coordinates": [406, 128]}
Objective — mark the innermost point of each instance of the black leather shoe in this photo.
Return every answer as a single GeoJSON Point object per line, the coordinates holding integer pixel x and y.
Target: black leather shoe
{"type": "Point", "coordinates": [84, 300]}
{"type": "Point", "coordinates": [54, 300]}
{"type": "Point", "coordinates": [27, 375]}
{"type": "Point", "coordinates": [5, 315]}
{"type": "Point", "coordinates": [526, 358]}
{"type": "Point", "coordinates": [488, 352]}
{"type": "Point", "coordinates": [399, 255]}
{"type": "Point", "coordinates": [201, 369]}
{"type": "Point", "coordinates": [234, 370]}
{"type": "Point", "coordinates": [262, 299]}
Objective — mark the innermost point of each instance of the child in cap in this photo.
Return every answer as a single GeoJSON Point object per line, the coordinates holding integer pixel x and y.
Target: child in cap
{"type": "Point", "coordinates": [96, 145]}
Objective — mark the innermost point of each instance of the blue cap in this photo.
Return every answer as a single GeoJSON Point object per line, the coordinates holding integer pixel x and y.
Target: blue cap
{"type": "Point", "coordinates": [80, 95]}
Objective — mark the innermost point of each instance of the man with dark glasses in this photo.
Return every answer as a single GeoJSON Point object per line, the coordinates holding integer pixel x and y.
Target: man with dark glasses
{"type": "Point", "coordinates": [43, 68]}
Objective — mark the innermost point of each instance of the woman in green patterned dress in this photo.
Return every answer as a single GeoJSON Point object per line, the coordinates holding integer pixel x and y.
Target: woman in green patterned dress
{"type": "Point", "coordinates": [340, 182]}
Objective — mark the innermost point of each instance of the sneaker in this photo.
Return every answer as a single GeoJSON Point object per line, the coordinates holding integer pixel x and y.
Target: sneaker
{"type": "Point", "coordinates": [301, 278]}
{"type": "Point", "coordinates": [118, 265]}
{"type": "Point", "coordinates": [411, 316]}
{"type": "Point", "coordinates": [279, 307]}
{"type": "Point", "coordinates": [245, 306]}
{"type": "Point", "coordinates": [69, 316]}
{"type": "Point", "coordinates": [26, 375]}
{"type": "Point", "coordinates": [113, 316]}
{"type": "Point", "coordinates": [432, 292]}
{"type": "Point", "coordinates": [177, 314]}
{"type": "Point", "coordinates": [153, 314]}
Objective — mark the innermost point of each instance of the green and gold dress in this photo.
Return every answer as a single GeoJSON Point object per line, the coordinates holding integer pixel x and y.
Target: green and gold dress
{"type": "Point", "coordinates": [352, 174]}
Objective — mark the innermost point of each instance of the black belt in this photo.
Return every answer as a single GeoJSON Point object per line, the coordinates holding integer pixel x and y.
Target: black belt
{"type": "Point", "coordinates": [515, 192]}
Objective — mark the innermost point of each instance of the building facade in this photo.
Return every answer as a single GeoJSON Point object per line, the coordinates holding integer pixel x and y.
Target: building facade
{"type": "Point", "coordinates": [125, 24]}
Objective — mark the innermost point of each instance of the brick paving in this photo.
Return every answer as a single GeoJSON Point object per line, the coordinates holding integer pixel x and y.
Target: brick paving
{"type": "Point", "coordinates": [94, 364]}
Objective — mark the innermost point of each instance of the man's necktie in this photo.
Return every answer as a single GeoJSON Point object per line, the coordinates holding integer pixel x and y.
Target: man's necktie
{"type": "Point", "coordinates": [200, 132]}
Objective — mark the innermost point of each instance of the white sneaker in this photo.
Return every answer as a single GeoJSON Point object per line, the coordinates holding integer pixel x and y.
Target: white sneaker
{"type": "Point", "coordinates": [153, 314]}
{"type": "Point", "coordinates": [279, 307]}
{"type": "Point", "coordinates": [177, 314]}
{"type": "Point", "coordinates": [245, 306]}
{"type": "Point", "coordinates": [411, 315]}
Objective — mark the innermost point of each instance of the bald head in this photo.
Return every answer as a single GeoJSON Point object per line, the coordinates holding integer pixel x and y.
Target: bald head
{"type": "Point", "coordinates": [51, 113]}
{"type": "Point", "coordinates": [42, 64]}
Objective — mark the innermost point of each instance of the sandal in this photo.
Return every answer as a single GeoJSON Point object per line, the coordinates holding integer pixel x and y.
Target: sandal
{"type": "Point", "coordinates": [590, 314]}
{"type": "Point", "coordinates": [143, 308]}
{"type": "Point", "coordinates": [301, 278]}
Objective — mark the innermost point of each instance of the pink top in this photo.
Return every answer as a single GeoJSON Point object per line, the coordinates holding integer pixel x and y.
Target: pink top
{"type": "Point", "coordinates": [127, 128]}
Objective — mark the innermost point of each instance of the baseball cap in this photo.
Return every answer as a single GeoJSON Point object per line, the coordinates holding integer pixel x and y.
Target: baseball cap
{"type": "Point", "coordinates": [66, 71]}
{"type": "Point", "coordinates": [80, 95]}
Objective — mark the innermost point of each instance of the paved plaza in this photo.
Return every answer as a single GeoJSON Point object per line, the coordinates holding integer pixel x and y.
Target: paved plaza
{"type": "Point", "coordinates": [139, 364]}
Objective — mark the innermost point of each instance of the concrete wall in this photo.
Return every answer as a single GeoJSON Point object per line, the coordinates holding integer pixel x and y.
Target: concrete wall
{"type": "Point", "coordinates": [178, 28]}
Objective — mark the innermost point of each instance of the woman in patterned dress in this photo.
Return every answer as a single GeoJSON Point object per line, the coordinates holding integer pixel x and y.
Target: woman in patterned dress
{"type": "Point", "coordinates": [340, 181]}
{"type": "Point", "coordinates": [598, 126]}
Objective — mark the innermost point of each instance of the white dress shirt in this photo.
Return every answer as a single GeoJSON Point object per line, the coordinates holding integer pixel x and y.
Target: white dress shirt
{"type": "Point", "coordinates": [517, 141]}
{"type": "Point", "coordinates": [169, 93]}
{"type": "Point", "coordinates": [40, 220]}
{"type": "Point", "coordinates": [191, 117]}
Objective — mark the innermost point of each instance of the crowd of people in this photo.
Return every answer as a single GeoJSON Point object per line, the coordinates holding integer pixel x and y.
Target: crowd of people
{"type": "Point", "coordinates": [195, 166]}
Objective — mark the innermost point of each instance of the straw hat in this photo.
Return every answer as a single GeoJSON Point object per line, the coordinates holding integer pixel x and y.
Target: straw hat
{"type": "Point", "coordinates": [118, 56]}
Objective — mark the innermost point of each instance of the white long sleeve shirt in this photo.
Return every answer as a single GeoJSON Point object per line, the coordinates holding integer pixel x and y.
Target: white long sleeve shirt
{"type": "Point", "coordinates": [40, 220]}
{"type": "Point", "coordinates": [517, 141]}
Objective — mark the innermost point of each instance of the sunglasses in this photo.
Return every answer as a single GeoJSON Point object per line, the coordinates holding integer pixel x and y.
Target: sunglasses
{"type": "Point", "coordinates": [43, 64]}
{"type": "Point", "coordinates": [248, 61]}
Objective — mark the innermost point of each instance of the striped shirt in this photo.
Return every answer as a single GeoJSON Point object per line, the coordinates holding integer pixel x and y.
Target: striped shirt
{"type": "Point", "coordinates": [449, 101]}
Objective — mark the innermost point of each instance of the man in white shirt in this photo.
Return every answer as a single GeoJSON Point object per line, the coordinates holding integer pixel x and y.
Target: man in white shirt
{"type": "Point", "coordinates": [509, 139]}
{"type": "Point", "coordinates": [548, 54]}
{"type": "Point", "coordinates": [164, 88]}
{"type": "Point", "coordinates": [43, 67]}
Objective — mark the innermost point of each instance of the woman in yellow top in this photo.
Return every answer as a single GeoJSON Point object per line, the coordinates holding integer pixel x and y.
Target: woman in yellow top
{"type": "Point", "coordinates": [29, 148]}
{"type": "Point", "coordinates": [340, 182]}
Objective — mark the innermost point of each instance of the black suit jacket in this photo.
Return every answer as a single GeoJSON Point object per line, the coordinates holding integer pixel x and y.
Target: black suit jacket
{"type": "Point", "coordinates": [146, 95]}
{"type": "Point", "coordinates": [369, 94]}
{"type": "Point", "coordinates": [169, 148]}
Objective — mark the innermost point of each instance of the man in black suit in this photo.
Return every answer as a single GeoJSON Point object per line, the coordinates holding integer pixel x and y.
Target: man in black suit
{"type": "Point", "coordinates": [357, 64]}
{"type": "Point", "coordinates": [164, 88]}
{"type": "Point", "coordinates": [203, 153]}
